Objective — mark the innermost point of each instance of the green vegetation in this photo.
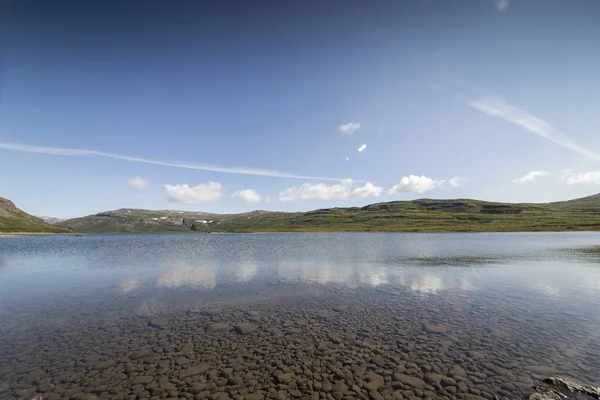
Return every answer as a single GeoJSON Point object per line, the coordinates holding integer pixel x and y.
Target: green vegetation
{"type": "Point", "coordinates": [424, 215]}
{"type": "Point", "coordinates": [13, 220]}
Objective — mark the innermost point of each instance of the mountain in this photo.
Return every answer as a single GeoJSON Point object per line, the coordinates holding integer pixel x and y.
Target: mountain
{"type": "Point", "coordinates": [13, 219]}
{"type": "Point", "coordinates": [51, 220]}
{"type": "Point", "coordinates": [423, 215]}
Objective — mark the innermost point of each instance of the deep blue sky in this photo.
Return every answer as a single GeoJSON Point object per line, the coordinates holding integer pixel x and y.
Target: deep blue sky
{"type": "Point", "coordinates": [486, 91]}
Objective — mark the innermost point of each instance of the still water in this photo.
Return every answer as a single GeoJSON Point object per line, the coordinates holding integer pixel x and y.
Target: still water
{"type": "Point", "coordinates": [335, 316]}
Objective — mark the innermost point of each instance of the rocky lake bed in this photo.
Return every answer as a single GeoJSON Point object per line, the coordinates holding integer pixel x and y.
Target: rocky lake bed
{"type": "Point", "coordinates": [391, 337]}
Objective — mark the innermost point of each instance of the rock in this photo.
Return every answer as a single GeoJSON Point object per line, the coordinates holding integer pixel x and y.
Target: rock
{"type": "Point", "coordinates": [284, 378]}
{"type": "Point", "coordinates": [448, 381]}
{"type": "Point", "coordinates": [545, 394]}
{"type": "Point", "coordinates": [409, 380]}
{"type": "Point", "coordinates": [574, 387]}
{"type": "Point", "coordinates": [458, 371]}
{"type": "Point", "coordinates": [102, 365]}
{"type": "Point", "coordinates": [375, 381]}
{"type": "Point", "coordinates": [168, 386]}
{"type": "Point", "coordinates": [136, 355]}
{"type": "Point", "coordinates": [436, 329]}
{"type": "Point", "coordinates": [255, 396]}
{"type": "Point", "coordinates": [375, 395]}
{"type": "Point", "coordinates": [541, 370]}
{"type": "Point", "coordinates": [236, 380]}
{"type": "Point", "coordinates": [160, 323]}
{"type": "Point", "coordinates": [245, 328]}
{"type": "Point", "coordinates": [433, 378]}
{"type": "Point", "coordinates": [197, 387]}
{"type": "Point", "coordinates": [470, 396]}
{"type": "Point", "coordinates": [218, 327]}
{"type": "Point", "coordinates": [143, 380]}
{"type": "Point", "coordinates": [195, 370]}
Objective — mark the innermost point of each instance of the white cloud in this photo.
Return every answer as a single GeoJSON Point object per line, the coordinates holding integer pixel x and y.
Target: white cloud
{"type": "Point", "coordinates": [592, 177]}
{"type": "Point", "coordinates": [368, 190]}
{"type": "Point", "coordinates": [361, 148]}
{"type": "Point", "coordinates": [138, 183]}
{"type": "Point", "coordinates": [350, 128]}
{"type": "Point", "coordinates": [57, 151]}
{"type": "Point", "coordinates": [531, 176]}
{"type": "Point", "coordinates": [322, 191]}
{"type": "Point", "coordinates": [246, 196]}
{"type": "Point", "coordinates": [201, 194]}
{"type": "Point", "coordinates": [501, 109]}
{"type": "Point", "coordinates": [415, 184]}
{"type": "Point", "coordinates": [501, 5]}
{"type": "Point", "coordinates": [457, 181]}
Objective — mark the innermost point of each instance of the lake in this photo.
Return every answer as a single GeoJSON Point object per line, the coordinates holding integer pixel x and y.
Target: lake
{"type": "Point", "coordinates": [331, 316]}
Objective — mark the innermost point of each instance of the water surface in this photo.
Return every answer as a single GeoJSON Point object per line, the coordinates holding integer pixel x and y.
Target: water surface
{"type": "Point", "coordinates": [297, 315]}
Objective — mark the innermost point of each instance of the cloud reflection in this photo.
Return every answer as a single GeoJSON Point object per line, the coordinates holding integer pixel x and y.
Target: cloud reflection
{"type": "Point", "coordinates": [319, 273]}
{"type": "Point", "coordinates": [424, 283]}
{"type": "Point", "coordinates": [373, 276]}
{"type": "Point", "coordinates": [244, 271]}
{"type": "Point", "coordinates": [126, 286]}
{"type": "Point", "coordinates": [195, 276]}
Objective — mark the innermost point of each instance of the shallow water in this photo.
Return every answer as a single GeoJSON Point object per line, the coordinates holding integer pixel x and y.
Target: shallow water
{"type": "Point", "coordinates": [316, 315]}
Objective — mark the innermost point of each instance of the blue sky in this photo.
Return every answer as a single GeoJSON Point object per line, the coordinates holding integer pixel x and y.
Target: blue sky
{"type": "Point", "coordinates": [228, 107]}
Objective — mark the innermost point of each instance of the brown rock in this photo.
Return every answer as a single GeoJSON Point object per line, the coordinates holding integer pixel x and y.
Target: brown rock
{"type": "Point", "coordinates": [409, 380]}
{"type": "Point", "coordinates": [195, 370]}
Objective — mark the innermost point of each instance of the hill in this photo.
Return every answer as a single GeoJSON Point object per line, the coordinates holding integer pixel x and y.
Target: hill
{"type": "Point", "coordinates": [423, 215]}
{"type": "Point", "coordinates": [13, 220]}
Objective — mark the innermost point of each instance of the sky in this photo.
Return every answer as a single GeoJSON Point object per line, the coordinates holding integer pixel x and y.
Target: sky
{"type": "Point", "coordinates": [231, 106]}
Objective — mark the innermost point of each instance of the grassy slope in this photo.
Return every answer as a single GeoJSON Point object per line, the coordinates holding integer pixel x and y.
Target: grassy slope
{"type": "Point", "coordinates": [13, 219]}
{"type": "Point", "coordinates": [424, 215]}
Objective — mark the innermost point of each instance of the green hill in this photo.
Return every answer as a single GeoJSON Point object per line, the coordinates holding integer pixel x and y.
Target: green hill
{"type": "Point", "coordinates": [423, 215]}
{"type": "Point", "coordinates": [14, 220]}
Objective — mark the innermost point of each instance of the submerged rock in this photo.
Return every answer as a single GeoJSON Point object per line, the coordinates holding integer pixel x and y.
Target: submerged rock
{"type": "Point", "coordinates": [594, 392]}
{"type": "Point", "coordinates": [219, 327]}
{"type": "Point", "coordinates": [436, 329]}
{"type": "Point", "coordinates": [245, 328]}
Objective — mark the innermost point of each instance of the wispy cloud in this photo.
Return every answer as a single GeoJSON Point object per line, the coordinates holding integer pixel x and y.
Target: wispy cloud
{"type": "Point", "coordinates": [590, 178]}
{"type": "Point", "coordinates": [214, 168]}
{"type": "Point", "coordinates": [201, 194]}
{"type": "Point", "coordinates": [138, 183]}
{"type": "Point", "coordinates": [457, 181]}
{"type": "Point", "coordinates": [530, 177]}
{"type": "Point", "coordinates": [246, 196]}
{"type": "Point", "coordinates": [361, 148]}
{"type": "Point", "coordinates": [415, 184]}
{"type": "Point", "coordinates": [322, 191]}
{"type": "Point", "coordinates": [501, 109]}
{"type": "Point", "coordinates": [349, 128]}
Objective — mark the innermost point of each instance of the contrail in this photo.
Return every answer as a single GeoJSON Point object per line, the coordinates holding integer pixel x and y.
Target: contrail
{"type": "Point", "coordinates": [214, 168]}
{"type": "Point", "coordinates": [501, 109]}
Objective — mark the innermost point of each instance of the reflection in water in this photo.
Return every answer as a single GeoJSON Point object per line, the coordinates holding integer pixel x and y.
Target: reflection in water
{"type": "Point", "coordinates": [244, 271]}
{"type": "Point", "coordinates": [424, 283]}
{"type": "Point", "coordinates": [318, 273]}
{"type": "Point", "coordinates": [125, 286]}
{"type": "Point", "coordinates": [373, 276]}
{"type": "Point", "coordinates": [183, 274]}
{"type": "Point", "coordinates": [547, 289]}
{"type": "Point", "coordinates": [466, 285]}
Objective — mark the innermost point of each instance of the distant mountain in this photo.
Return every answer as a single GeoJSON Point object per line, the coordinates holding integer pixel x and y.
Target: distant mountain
{"type": "Point", "coordinates": [13, 219]}
{"type": "Point", "coordinates": [423, 215]}
{"type": "Point", "coordinates": [52, 220]}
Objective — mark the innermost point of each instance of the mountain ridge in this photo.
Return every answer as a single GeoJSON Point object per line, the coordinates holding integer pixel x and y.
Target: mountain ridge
{"type": "Point", "coordinates": [420, 215]}
{"type": "Point", "coordinates": [13, 220]}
